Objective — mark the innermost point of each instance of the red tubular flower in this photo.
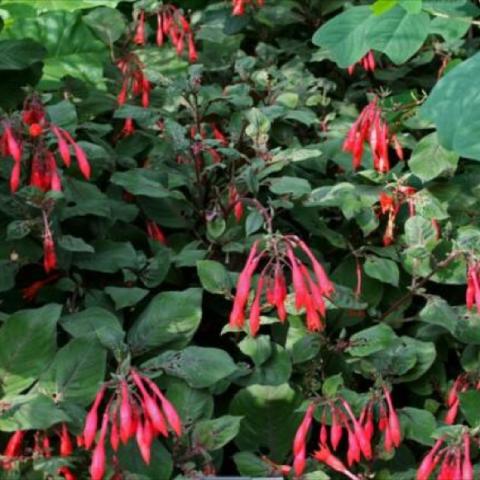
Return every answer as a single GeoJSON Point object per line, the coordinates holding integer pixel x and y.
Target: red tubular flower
{"type": "Point", "coordinates": [325, 456]}
{"type": "Point", "coordinates": [139, 38]}
{"type": "Point", "coordinates": [168, 409]}
{"type": "Point", "coordinates": [66, 446]}
{"type": "Point", "coordinates": [192, 51]}
{"type": "Point", "coordinates": [300, 441]}
{"type": "Point", "coordinates": [82, 160]}
{"type": "Point", "coordinates": [393, 422]}
{"type": "Point", "coordinates": [35, 130]}
{"type": "Point", "coordinates": [336, 430]}
{"type": "Point", "coordinates": [218, 135]}
{"type": "Point", "coordinates": [429, 463]}
{"type": "Point", "coordinates": [91, 421]}
{"type": "Point", "coordinates": [30, 293]}
{"type": "Point", "coordinates": [155, 232]}
{"type": "Point", "coordinates": [466, 468]}
{"type": "Point", "coordinates": [473, 287]}
{"type": "Point", "coordinates": [159, 35]}
{"type": "Point", "coordinates": [237, 315]}
{"type": "Point", "coordinates": [302, 431]}
{"type": "Point", "coordinates": [49, 255]}
{"type": "Point", "coordinates": [66, 473]}
{"type": "Point", "coordinates": [14, 445]}
{"type": "Point", "coordinates": [97, 467]}
{"type": "Point", "coordinates": [151, 409]}
{"type": "Point", "coordinates": [255, 310]}
{"type": "Point", "coordinates": [126, 415]}
{"type": "Point", "coordinates": [63, 147]}
{"type": "Point", "coordinates": [114, 433]}
{"type": "Point", "coordinates": [235, 202]}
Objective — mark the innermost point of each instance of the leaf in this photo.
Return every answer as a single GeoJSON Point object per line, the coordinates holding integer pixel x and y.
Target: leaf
{"type": "Point", "coordinates": [249, 465]}
{"type": "Point", "coordinates": [371, 340]}
{"type": "Point", "coordinates": [98, 323]}
{"type": "Point", "coordinates": [28, 341]}
{"type": "Point", "coordinates": [438, 312]}
{"type": "Point", "coordinates": [160, 467]}
{"type": "Point", "coordinates": [140, 181]}
{"type": "Point", "coordinates": [417, 425]}
{"type": "Point", "coordinates": [20, 54]}
{"type": "Point", "coordinates": [200, 367]}
{"type": "Point", "coordinates": [429, 159]}
{"type": "Point", "coordinates": [31, 412]}
{"type": "Point", "coordinates": [72, 48]}
{"type": "Point", "coordinates": [74, 244]}
{"type": "Point", "coordinates": [398, 34]}
{"type": "Point", "coordinates": [455, 114]}
{"type": "Point", "coordinates": [382, 6]}
{"type": "Point", "coordinates": [382, 269]}
{"type": "Point", "coordinates": [107, 23]}
{"type": "Point", "coordinates": [270, 419]}
{"type": "Point", "coordinates": [296, 187]}
{"type": "Point", "coordinates": [76, 372]}
{"type": "Point", "coordinates": [191, 404]}
{"type": "Point", "coordinates": [345, 35]}
{"type": "Point", "coordinates": [171, 318]}
{"type": "Point", "coordinates": [126, 297]}
{"type": "Point", "coordinates": [470, 407]}
{"type": "Point", "coordinates": [108, 257]}
{"type": "Point", "coordinates": [68, 5]}
{"type": "Point", "coordinates": [213, 276]}
{"type": "Point", "coordinates": [419, 232]}
{"type": "Point", "coordinates": [215, 434]}
{"type": "Point", "coordinates": [257, 348]}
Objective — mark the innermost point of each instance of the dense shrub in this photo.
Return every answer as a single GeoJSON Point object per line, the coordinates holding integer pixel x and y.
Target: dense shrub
{"type": "Point", "coordinates": [239, 238]}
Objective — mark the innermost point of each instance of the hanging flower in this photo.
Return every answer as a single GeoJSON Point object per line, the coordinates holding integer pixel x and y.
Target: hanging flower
{"type": "Point", "coordinates": [371, 128]}
{"type": "Point", "coordinates": [310, 288]}
{"type": "Point", "coordinates": [137, 409]}
{"type": "Point", "coordinates": [367, 62]}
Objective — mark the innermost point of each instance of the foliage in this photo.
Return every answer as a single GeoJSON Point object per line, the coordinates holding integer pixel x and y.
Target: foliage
{"type": "Point", "coordinates": [162, 168]}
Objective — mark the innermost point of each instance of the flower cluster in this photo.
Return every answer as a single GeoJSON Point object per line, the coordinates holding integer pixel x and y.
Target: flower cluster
{"type": "Point", "coordinates": [171, 24]}
{"type": "Point", "coordinates": [34, 134]}
{"type": "Point", "coordinates": [136, 409]}
{"type": "Point", "coordinates": [371, 128]}
{"type": "Point", "coordinates": [455, 460]}
{"type": "Point", "coordinates": [367, 62]}
{"type": "Point", "coordinates": [359, 432]}
{"type": "Point", "coordinates": [310, 289]}
{"type": "Point", "coordinates": [18, 448]}
{"type": "Point", "coordinates": [134, 83]}
{"type": "Point", "coordinates": [390, 204]}
{"type": "Point", "coordinates": [239, 5]}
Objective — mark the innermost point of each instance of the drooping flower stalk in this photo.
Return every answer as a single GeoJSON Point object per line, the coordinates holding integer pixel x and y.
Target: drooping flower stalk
{"type": "Point", "coordinates": [34, 134]}
{"type": "Point", "coordinates": [371, 128]}
{"type": "Point", "coordinates": [136, 409]}
{"type": "Point", "coordinates": [310, 288]}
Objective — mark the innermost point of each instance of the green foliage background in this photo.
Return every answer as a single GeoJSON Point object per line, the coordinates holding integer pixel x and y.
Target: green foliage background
{"type": "Point", "coordinates": [275, 80]}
